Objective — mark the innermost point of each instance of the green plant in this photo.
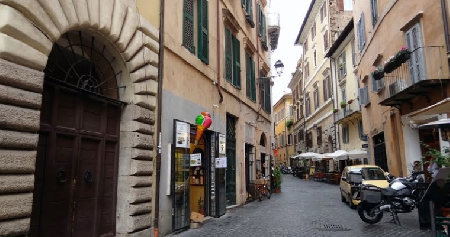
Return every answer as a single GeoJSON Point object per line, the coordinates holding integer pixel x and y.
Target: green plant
{"type": "Point", "coordinates": [343, 103]}
{"type": "Point", "coordinates": [335, 110]}
{"type": "Point", "coordinates": [277, 176]}
{"type": "Point", "coordinates": [438, 157]}
{"type": "Point", "coordinates": [340, 65]}
{"type": "Point", "coordinates": [289, 123]}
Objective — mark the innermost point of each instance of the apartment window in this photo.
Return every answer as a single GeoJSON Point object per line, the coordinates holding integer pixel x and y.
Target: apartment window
{"type": "Point", "coordinates": [326, 88]}
{"type": "Point", "coordinates": [342, 62]}
{"type": "Point", "coordinates": [232, 59]}
{"type": "Point", "coordinates": [377, 85]}
{"type": "Point", "coordinates": [276, 142]}
{"type": "Point", "coordinates": [282, 140]}
{"type": "Point", "coordinates": [295, 139]}
{"type": "Point", "coordinates": [315, 58]}
{"type": "Point", "coordinates": [196, 31]}
{"type": "Point", "coordinates": [360, 129]}
{"type": "Point", "coordinates": [250, 84]}
{"type": "Point", "coordinates": [293, 96]}
{"type": "Point", "coordinates": [297, 92]}
{"type": "Point", "coordinates": [308, 105]}
{"type": "Point", "coordinates": [276, 118]}
{"type": "Point", "coordinates": [309, 142]}
{"type": "Point", "coordinates": [264, 87]}
{"type": "Point", "coordinates": [301, 110]}
{"type": "Point", "coordinates": [298, 113]}
{"type": "Point", "coordinates": [323, 12]}
{"type": "Point", "coordinates": [248, 7]}
{"type": "Point", "coordinates": [353, 53]}
{"type": "Point", "coordinates": [361, 33]}
{"type": "Point", "coordinates": [348, 5]}
{"type": "Point", "coordinates": [313, 31]}
{"type": "Point", "coordinates": [416, 64]}
{"type": "Point", "coordinates": [364, 98]}
{"type": "Point", "coordinates": [344, 96]}
{"type": "Point", "coordinates": [325, 40]}
{"type": "Point", "coordinates": [345, 134]}
{"type": "Point", "coordinates": [316, 97]}
{"type": "Point", "coordinates": [305, 46]}
{"type": "Point", "coordinates": [283, 114]}
{"type": "Point", "coordinates": [262, 28]}
{"type": "Point", "coordinates": [319, 136]}
{"type": "Point", "coordinates": [301, 135]}
{"type": "Point", "coordinates": [306, 70]}
{"type": "Point", "coordinates": [289, 139]}
{"type": "Point", "coordinates": [291, 111]}
{"type": "Point", "coordinates": [374, 11]}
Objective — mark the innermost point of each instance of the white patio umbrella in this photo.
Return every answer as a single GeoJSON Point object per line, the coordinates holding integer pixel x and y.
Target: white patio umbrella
{"type": "Point", "coordinates": [357, 154]}
{"type": "Point", "coordinates": [338, 155]}
{"type": "Point", "coordinates": [309, 155]}
{"type": "Point", "coordinates": [295, 157]}
{"type": "Point", "coordinates": [435, 124]}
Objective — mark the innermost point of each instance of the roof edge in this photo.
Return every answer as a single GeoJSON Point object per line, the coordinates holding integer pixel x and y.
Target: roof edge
{"type": "Point", "coordinates": [304, 21]}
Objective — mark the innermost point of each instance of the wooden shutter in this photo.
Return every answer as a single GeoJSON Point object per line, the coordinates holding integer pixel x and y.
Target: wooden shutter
{"type": "Point", "coordinates": [202, 25]}
{"type": "Point", "coordinates": [325, 39]}
{"type": "Point", "coordinates": [344, 63]}
{"type": "Point", "coordinates": [340, 4]}
{"type": "Point", "coordinates": [353, 52]}
{"type": "Point", "coordinates": [373, 83]}
{"type": "Point", "coordinates": [188, 25]}
{"type": "Point", "coordinates": [259, 20]}
{"type": "Point", "coordinates": [416, 63]}
{"type": "Point", "coordinates": [374, 11]}
{"type": "Point", "coordinates": [324, 90]}
{"type": "Point", "coordinates": [236, 62]}
{"type": "Point", "coordinates": [264, 30]}
{"type": "Point", "coordinates": [363, 32]}
{"type": "Point", "coordinates": [361, 96]}
{"type": "Point", "coordinates": [248, 88]}
{"type": "Point", "coordinates": [267, 96]}
{"type": "Point", "coordinates": [253, 83]}
{"type": "Point", "coordinates": [244, 3]}
{"type": "Point", "coordinates": [228, 56]}
{"type": "Point", "coordinates": [250, 8]}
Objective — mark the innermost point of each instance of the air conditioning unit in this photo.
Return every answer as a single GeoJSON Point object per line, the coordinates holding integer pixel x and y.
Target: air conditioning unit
{"type": "Point", "coordinates": [396, 87]}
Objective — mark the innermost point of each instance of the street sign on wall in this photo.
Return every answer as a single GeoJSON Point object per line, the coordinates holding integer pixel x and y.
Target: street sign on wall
{"type": "Point", "coordinates": [365, 145]}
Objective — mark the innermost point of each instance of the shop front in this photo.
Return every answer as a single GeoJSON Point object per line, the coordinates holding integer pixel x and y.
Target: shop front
{"type": "Point", "coordinates": [198, 174]}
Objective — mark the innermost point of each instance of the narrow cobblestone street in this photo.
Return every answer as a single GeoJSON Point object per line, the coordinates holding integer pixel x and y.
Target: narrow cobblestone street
{"type": "Point", "coordinates": [303, 208]}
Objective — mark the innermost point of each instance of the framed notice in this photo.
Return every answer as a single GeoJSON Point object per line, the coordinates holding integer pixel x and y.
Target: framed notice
{"type": "Point", "coordinates": [182, 138]}
{"type": "Point", "coordinates": [196, 159]}
{"type": "Point", "coordinates": [222, 144]}
{"type": "Point", "coordinates": [221, 162]}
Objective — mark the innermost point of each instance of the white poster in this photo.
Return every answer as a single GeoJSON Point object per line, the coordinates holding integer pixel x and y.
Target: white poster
{"type": "Point", "coordinates": [221, 162]}
{"type": "Point", "coordinates": [182, 137]}
{"type": "Point", "coordinates": [196, 159]}
{"type": "Point", "coordinates": [222, 144]}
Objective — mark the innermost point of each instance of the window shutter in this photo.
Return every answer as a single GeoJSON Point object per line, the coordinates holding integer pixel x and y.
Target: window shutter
{"type": "Point", "coordinates": [248, 88]}
{"type": "Point", "coordinates": [259, 20]}
{"type": "Point", "coordinates": [188, 25]}
{"type": "Point", "coordinates": [264, 37]}
{"type": "Point", "coordinates": [373, 83]}
{"type": "Point", "coordinates": [361, 96]}
{"type": "Point", "coordinates": [228, 53]}
{"type": "Point", "coordinates": [325, 39]}
{"type": "Point", "coordinates": [363, 32]}
{"type": "Point", "coordinates": [416, 64]}
{"type": "Point", "coordinates": [236, 62]}
{"type": "Point", "coordinates": [267, 96]}
{"type": "Point", "coordinates": [324, 89]}
{"type": "Point", "coordinates": [344, 61]}
{"type": "Point", "coordinates": [341, 5]}
{"type": "Point", "coordinates": [250, 9]}
{"type": "Point", "coordinates": [252, 74]}
{"type": "Point", "coordinates": [353, 53]}
{"type": "Point", "coordinates": [202, 24]}
{"type": "Point", "coordinates": [244, 3]}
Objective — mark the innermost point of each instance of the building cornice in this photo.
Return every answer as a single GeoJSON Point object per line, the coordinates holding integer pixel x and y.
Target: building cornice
{"type": "Point", "coordinates": [309, 21]}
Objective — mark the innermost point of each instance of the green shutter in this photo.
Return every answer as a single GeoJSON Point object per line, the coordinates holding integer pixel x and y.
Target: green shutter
{"type": "Point", "coordinates": [259, 20]}
{"type": "Point", "coordinates": [267, 96]}
{"type": "Point", "coordinates": [202, 26]}
{"type": "Point", "coordinates": [236, 62]}
{"type": "Point", "coordinates": [264, 28]}
{"type": "Point", "coordinates": [243, 3]}
{"type": "Point", "coordinates": [188, 25]}
{"type": "Point", "coordinates": [252, 73]}
{"type": "Point", "coordinates": [228, 60]}
{"type": "Point", "coordinates": [250, 9]}
{"type": "Point", "coordinates": [248, 81]}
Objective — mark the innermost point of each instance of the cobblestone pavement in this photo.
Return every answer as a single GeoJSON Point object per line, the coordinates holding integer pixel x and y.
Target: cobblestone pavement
{"type": "Point", "coordinates": [303, 208]}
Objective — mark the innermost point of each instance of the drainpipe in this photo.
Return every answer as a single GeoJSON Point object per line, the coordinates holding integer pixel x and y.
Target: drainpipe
{"type": "Point", "coordinates": [445, 20]}
{"type": "Point", "coordinates": [219, 89]}
{"type": "Point", "coordinates": [336, 127]}
{"type": "Point", "coordinates": [158, 123]}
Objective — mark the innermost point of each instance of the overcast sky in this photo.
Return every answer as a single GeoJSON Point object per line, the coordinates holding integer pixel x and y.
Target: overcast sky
{"type": "Point", "coordinates": [292, 13]}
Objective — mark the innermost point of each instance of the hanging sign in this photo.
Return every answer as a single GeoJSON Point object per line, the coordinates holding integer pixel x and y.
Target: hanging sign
{"type": "Point", "coordinates": [222, 144]}
{"type": "Point", "coordinates": [196, 159]}
{"type": "Point", "coordinates": [182, 138]}
{"type": "Point", "coordinates": [221, 162]}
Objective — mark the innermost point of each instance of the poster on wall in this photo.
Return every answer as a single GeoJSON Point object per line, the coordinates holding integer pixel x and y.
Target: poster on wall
{"type": "Point", "coordinates": [182, 137]}
{"type": "Point", "coordinates": [196, 159]}
{"type": "Point", "coordinates": [221, 162]}
{"type": "Point", "coordinates": [222, 144]}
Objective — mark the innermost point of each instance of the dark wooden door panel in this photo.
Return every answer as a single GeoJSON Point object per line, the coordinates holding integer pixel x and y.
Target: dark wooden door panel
{"type": "Point", "coordinates": [92, 116]}
{"type": "Point", "coordinates": [67, 109]}
{"type": "Point", "coordinates": [112, 122]}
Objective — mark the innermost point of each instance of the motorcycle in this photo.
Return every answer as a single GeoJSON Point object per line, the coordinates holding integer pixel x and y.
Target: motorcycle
{"type": "Point", "coordinates": [263, 189]}
{"type": "Point", "coordinates": [402, 196]}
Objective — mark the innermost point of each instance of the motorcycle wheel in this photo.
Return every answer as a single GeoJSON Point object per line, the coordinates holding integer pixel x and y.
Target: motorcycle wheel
{"type": "Point", "coordinates": [268, 194]}
{"type": "Point", "coordinates": [362, 212]}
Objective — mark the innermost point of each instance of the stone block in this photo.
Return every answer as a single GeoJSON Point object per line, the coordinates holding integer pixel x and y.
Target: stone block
{"type": "Point", "coordinates": [106, 11]}
{"type": "Point", "coordinates": [18, 118]}
{"type": "Point", "coordinates": [21, 140]}
{"type": "Point", "coordinates": [21, 77]}
{"type": "Point", "coordinates": [17, 206]}
{"type": "Point", "coordinates": [140, 194]}
{"type": "Point", "coordinates": [131, 224]}
{"type": "Point", "coordinates": [82, 12]}
{"type": "Point", "coordinates": [136, 140]}
{"type": "Point", "coordinates": [14, 24]}
{"type": "Point", "coordinates": [146, 101]}
{"type": "Point", "coordinates": [94, 12]}
{"type": "Point", "coordinates": [33, 11]}
{"type": "Point", "coordinates": [142, 233]}
{"type": "Point", "coordinates": [148, 87]}
{"type": "Point", "coordinates": [118, 18]}
{"type": "Point", "coordinates": [141, 167]}
{"type": "Point", "coordinates": [15, 227]}
{"type": "Point", "coordinates": [139, 208]}
{"type": "Point", "coordinates": [18, 52]}
{"type": "Point", "coordinates": [17, 162]}
{"type": "Point", "coordinates": [135, 126]}
{"type": "Point", "coordinates": [56, 13]}
{"type": "Point", "coordinates": [69, 12]}
{"type": "Point", "coordinates": [140, 181]}
{"type": "Point", "coordinates": [135, 44]}
{"type": "Point", "coordinates": [144, 73]}
{"type": "Point", "coordinates": [137, 113]}
{"type": "Point", "coordinates": [129, 28]}
{"type": "Point", "coordinates": [147, 28]}
{"type": "Point", "coordinates": [136, 153]}
{"type": "Point", "coordinates": [143, 56]}
{"type": "Point", "coordinates": [16, 183]}
{"type": "Point", "coordinates": [14, 96]}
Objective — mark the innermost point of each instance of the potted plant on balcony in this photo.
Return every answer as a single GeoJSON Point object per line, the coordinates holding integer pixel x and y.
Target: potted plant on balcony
{"type": "Point", "coordinates": [277, 180]}
{"type": "Point", "coordinates": [289, 123]}
{"type": "Point", "coordinates": [391, 64]}
{"type": "Point", "coordinates": [343, 104]}
{"type": "Point", "coordinates": [350, 101]}
{"type": "Point", "coordinates": [378, 73]}
{"type": "Point", "coordinates": [341, 66]}
{"type": "Point", "coordinates": [403, 55]}
{"type": "Point", "coordinates": [335, 111]}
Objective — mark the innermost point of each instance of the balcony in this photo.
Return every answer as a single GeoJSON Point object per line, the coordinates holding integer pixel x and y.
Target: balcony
{"type": "Point", "coordinates": [425, 71]}
{"type": "Point", "coordinates": [273, 28]}
{"type": "Point", "coordinates": [350, 114]}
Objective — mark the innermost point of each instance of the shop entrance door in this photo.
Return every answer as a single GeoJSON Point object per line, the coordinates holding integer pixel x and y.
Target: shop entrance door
{"type": "Point", "coordinates": [231, 161]}
{"type": "Point", "coordinates": [379, 151]}
{"type": "Point", "coordinates": [76, 165]}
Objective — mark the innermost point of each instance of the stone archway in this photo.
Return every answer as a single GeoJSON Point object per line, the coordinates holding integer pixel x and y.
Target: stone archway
{"type": "Point", "coordinates": [28, 31]}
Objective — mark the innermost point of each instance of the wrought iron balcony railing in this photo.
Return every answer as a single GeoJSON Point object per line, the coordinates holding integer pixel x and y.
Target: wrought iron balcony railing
{"type": "Point", "coordinates": [418, 76]}
{"type": "Point", "coordinates": [349, 113]}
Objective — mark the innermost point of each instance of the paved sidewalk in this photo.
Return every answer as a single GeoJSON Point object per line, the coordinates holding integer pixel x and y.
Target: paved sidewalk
{"type": "Point", "coordinates": [303, 208]}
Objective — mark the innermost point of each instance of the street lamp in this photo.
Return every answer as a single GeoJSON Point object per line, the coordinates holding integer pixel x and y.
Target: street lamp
{"type": "Point", "coordinates": [279, 67]}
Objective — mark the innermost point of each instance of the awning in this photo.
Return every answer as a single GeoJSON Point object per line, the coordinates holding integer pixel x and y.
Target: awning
{"type": "Point", "coordinates": [309, 155]}
{"type": "Point", "coordinates": [436, 124]}
{"type": "Point", "coordinates": [338, 155]}
{"type": "Point", "coordinates": [295, 157]}
{"type": "Point", "coordinates": [441, 107]}
{"type": "Point", "coordinates": [357, 154]}
{"type": "Point", "coordinates": [321, 157]}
